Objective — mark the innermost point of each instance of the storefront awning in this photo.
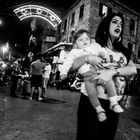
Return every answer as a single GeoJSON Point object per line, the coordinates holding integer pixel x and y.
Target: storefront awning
{"type": "Point", "coordinates": [59, 46]}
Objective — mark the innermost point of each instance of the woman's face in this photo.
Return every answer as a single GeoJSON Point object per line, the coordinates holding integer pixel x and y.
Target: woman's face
{"type": "Point", "coordinates": [115, 27]}
{"type": "Point", "coordinates": [83, 41]}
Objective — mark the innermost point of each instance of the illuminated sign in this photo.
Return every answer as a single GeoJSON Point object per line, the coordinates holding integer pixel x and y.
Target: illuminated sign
{"type": "Point", "coordinates": [50, 39]}
{"type": "Point", "coordinates": [27, 11]}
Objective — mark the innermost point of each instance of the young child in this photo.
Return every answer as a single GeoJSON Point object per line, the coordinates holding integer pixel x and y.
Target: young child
{"type": "Point", "coordinates": [83, 46]}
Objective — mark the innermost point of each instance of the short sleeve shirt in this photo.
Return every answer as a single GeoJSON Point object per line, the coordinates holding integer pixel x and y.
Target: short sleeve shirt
{"type": "Point", "coordinates": [119, 60]}
{"type": "Point", "coordinates": [47, 70]}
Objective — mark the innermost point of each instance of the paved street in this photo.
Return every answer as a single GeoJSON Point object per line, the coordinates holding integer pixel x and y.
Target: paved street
{"type": "Point", "coordinates": [55, 118]}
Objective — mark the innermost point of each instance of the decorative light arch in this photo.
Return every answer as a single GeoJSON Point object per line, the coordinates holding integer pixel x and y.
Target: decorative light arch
{"type": "Point", "coordinates": [28, 11]}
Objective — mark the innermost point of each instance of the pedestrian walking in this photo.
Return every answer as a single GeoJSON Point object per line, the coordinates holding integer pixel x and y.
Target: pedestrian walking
{"type": "Point", "coordinates": [14, 78]}
{"type": "Point", "coordinates": [36, 76]}
{"type": "Point", "coordinates": [46, 76]}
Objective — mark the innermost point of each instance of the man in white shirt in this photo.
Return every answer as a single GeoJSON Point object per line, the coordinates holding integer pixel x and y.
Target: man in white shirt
{"type": "Point", "coordinates": [45, 78]}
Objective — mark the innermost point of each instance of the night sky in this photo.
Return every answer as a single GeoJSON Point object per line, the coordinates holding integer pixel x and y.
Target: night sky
{"type": "Point", "coordinates": [16, 31]}
{"type": "Point", "coordinates": [10, 19]}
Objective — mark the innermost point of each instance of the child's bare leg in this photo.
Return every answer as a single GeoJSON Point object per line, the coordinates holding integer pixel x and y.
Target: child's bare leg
{"type": "Point", "coordinates": [111, 91]}
{"type": "Point", "coordinates": [92, 93]}
{"type": "Point", "coordinates": [32, 91]}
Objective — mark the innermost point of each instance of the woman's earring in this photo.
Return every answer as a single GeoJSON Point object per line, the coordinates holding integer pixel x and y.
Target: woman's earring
{"type": "Point", "coordinates": [119, 39]}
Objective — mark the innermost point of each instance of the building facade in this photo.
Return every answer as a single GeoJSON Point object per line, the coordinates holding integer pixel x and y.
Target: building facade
{"type": "Point", "coordinates": [88, 14]}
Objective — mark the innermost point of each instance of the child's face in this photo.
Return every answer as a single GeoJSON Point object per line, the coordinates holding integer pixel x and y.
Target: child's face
{"type": "Point", "coordinates": [83, 41]}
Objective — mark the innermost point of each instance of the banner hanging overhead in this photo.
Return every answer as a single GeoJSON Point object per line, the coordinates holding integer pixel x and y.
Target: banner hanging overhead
{"type": "Point", "coordinates": [28, 11]}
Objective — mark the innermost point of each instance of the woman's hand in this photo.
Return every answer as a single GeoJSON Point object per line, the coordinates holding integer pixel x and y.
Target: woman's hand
{"type": "Point", "coordinates": [90, 59]}
{"type": "Point", "coordinates": [104, 76]}
{"type": "Point", "coordinates": [94, 60]}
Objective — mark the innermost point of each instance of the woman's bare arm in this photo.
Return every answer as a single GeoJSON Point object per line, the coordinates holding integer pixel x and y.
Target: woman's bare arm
{"type": "Point", "coordinates": [129, 69]}
{"type": "Point", "coordinates": [78, 62]}
{"type": "Point", "coordinates": [89, 59]}
{"type": "Point", "coordinates": [106, 75]}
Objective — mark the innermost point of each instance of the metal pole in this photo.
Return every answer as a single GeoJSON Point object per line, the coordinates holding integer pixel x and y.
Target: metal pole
{"type": "Point", "coordinates": [3, 53]}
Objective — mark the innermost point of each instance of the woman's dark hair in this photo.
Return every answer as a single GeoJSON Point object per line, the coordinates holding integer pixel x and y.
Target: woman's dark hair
{"type": "Point", "coordinates": [102, 35]}
{"type": "Point", "coordinates": [78, 33]}
{"type": "Point", "coordinates": [102, 32]}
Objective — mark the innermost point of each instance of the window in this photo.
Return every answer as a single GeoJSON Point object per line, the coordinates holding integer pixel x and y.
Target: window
{"type": "Point", "coordinates": [73, 19]}
{"type": "Point", "coordinates": [104, 10]}
{"type": "Point", "coordinates": [59, 28]}
{"type": "Point", "coordinates": [139, 52]}
{"type": "Point", "coordinates": [130, 46]}
{"type": "Point", "coordinates": [65, 24]}
{"type": "Point", "coordinates": [50, 39]}
{"type": "Point", "coordinates": [132, 27]}
{"type": "Point", "coordinates": [70, 39]}
{"type": "Point", "coordinates": [81, 11]}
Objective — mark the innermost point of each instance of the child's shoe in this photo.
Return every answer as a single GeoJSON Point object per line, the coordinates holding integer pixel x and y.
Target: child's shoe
{"type": "Point", "coordinates": [100, 113]}
{"type": "Point", "coordinates": [116, 108]}
{"type": "Point", "coordinates": [101, 116]}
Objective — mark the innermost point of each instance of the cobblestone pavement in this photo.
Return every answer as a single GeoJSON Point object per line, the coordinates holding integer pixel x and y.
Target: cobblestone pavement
{"type": "Point", "coordinates": [130, 120]}
{"type": "Point", "coordinates": [55, 118]}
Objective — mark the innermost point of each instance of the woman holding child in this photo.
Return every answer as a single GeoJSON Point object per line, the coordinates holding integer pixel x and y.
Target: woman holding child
{"type": "Point", "coordinates": [108, 35]}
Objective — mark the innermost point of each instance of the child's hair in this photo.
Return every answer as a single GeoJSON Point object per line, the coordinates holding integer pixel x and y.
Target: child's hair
{"type": "Point", "coordinates": [78, 33]}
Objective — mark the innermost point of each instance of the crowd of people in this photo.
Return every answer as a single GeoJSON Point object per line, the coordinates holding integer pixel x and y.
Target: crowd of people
{"type": "Point", "coordinates": [40, 72]}
{"type": "Point", "coordinates": [29, 77]}
{"type": "Point", "coordinates": [37, 74]}
{"type": "Point", "coordinates": [103, 64]}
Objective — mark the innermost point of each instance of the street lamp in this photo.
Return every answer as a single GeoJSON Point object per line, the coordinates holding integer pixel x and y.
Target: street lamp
{"type": "Point", "coordinates": [1, 22]}
{"type": "Point", "coordinates": [5, 49]}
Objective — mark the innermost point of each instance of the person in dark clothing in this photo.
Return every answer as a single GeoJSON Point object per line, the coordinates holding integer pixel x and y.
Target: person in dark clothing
{"type": "Point", "coordinates": [14, 78]}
